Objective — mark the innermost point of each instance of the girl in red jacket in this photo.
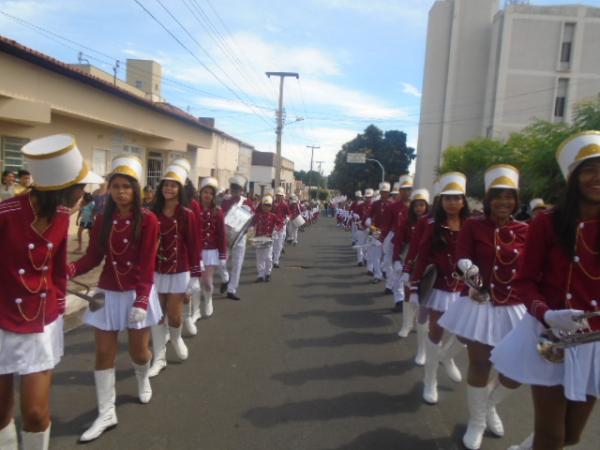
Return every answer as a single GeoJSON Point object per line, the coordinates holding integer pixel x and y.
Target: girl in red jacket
{"type": "Point", "coordinates": [213, 241]}
{"type": "Point", "coordinates": [33, 232]}
{"type": "Point", "coordinates": [125, 237]}
{"type": "Point", "coordinates": [178, 259]}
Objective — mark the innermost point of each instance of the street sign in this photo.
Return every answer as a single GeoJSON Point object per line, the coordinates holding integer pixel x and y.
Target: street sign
{"type": "Point", "coordinates": [356, 158]}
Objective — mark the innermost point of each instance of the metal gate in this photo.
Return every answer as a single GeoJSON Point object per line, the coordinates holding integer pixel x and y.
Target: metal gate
{"type": "Point", "coordinates": [155, 168]}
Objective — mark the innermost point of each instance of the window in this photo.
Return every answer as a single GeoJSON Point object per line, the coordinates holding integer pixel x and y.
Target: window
{"type": "Point", "coordinates": [139, 84]}
{"type": "Point", "coordinates": [10, 152]}
{"type": "Point", "coordinates": [155, 169]}
{"type": "Point", "coordinates": [99, 161]}
{"type": "Point", "coordinates": [566, 48]}
{"type": "Point", "coordinates": [560, 103]}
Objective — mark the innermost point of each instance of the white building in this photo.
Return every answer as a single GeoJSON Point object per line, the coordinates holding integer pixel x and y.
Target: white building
{"type": "Point", "coordinates": [490, 73]}
{"type": "Point", "coordinates": [262, 174]}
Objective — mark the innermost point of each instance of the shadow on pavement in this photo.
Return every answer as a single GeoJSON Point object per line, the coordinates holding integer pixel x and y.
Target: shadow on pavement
{"type": "Point", "coordinates": [349, 338]}
{"type": "Point", "coordinates": [388, 439]}
{"type": "Point", "coordinates": [344, 319]}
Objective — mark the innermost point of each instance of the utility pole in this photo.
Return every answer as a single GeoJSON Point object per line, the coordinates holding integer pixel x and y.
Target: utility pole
{"type": "Point", "coordinates": [312, 154]}
{"type": "Point", "coordinates": [320, 164]}
{"type": "Point", "coordinates": [279, 129]}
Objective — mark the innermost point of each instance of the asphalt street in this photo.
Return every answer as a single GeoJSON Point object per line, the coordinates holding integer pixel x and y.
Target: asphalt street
{"type": "Point", "coordinates": [308, 361]}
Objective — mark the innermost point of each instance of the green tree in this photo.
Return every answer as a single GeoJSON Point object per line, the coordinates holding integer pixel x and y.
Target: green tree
{"type": "Point", "coordinates": [389, 148]}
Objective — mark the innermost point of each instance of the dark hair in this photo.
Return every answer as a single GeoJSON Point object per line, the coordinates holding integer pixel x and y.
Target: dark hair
{"type": "Point", "coordinates": [87, 197]}
{"type": "Point", "coordinates": [23, 172]}
{"type": "Point", "coordinates": [495, 193]}
{"type": "Point", "coordinates": [214, 206]}
{"type": "Point", "coordinates": [111, 206]}
{"type": "Point", "coordinates": [412, 215]}
{"type": "Point", "coordinates": [6, 172]}
{"type": "Point", "coordinates": [439, 214]}
{"type": "Point", "coordinates": [48, 201]}
{"type": "Point", "coordinates": [189, 192]}
{"type": "Point", "coordinates": [159, 199]}
{"type": "Point", "coordinates": [148, 188]}
{"type": "Point", "coordinates": [567, 213]}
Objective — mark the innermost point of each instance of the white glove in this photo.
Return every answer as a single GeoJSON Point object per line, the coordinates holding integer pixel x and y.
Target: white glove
{"type": "Point", "coordinates": [464, 265]}
{"type": "Point", "coordinates": [137, 315]}
{"type": "Point", "coordinates": [368, 222]}
{"type": "Point", "coordinates": [223, 262]}
{"type": "Point", "coordinates": [398, 267]}
{"type": "Point", "coordinates": [405, 278]}
{"type": "Point", "coordinates": [414, 298]}
{"type": "Point", "coordinates": [202, 268]}
{"type": "Point", "coordinates": [564, 319]}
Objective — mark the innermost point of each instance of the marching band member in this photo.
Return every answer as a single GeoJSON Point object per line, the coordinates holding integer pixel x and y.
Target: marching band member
{"type": "Point", "coordinates": [282, 211]}
{"type": "Point", "coordinates": [33, 231]}
{"type": "Point", "coordinates": [418, 208]}
{"type": "Point", "coordinates": [536, 206]}
{"type": "Point", "coordinates": [376, 215]}
{"type": "Point", "coordinates": [490, 247]}
{"type": "Point", "coordinates": [294, 213]}
{"type": "Point", "coordinates": [363, 212]}
{"type": "Point", "coordinates": [558, 281]}
{"type": "Point", "coordinates": [125, 236]}
{"type": "Point", "coordinates": [437, 247]}
{"type": "Point", "coordinates": [177, 260]}
{"type": "Point", "coordinates": [238, 252]}
{"type": "Point", "coordinates": [265, 224]}
{"type": "Point", "coordinates": [213, 241]}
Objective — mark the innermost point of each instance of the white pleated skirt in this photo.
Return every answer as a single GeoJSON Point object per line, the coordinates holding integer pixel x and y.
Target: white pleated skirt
{"type": "Point", "coordinates": [114, 316]}
{"type": "Point", "coordinates": [481, 322]}
{"type": "Point", "coordinates": [171, 283]}
{"type": "Point", "coordinates": [28, 353]}
{"type": "Point", "coordinates": [516, 357]}
{"type": "Point", "coordinates": [211, 257]}
{"type": "Point", "coordinates": [441, 300]}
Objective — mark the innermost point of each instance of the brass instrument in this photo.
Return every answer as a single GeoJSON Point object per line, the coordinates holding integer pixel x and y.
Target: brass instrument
{"type": "Point", "coordinates": [375, 232]}
{"type": "Point", "coordinates": [552, 343]}
{"type": "Point", "coordinates": [472, 278]}
{"type": "Point", "coordinates": [96, 301]}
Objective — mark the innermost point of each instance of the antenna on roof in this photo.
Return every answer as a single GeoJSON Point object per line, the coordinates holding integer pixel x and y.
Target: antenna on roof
{"type": "Point", "coordinates": [81, 59]}
{"type": "Point", "coordinates": [115, 70]}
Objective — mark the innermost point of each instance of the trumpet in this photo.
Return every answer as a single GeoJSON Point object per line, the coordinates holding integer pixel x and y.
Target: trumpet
{"type": "Point", "coordinates": [472, 278]}
{"type": "Point", "coordinates": [552, 344]}
{"type": "Point", "coordinates": [95, 301]}
{"type": "Point", "coordinates": [375, 232]}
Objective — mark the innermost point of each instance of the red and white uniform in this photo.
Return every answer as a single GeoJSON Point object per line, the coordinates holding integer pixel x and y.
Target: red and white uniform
{"type": "Point", "coordinates": [446, 288]}
{"type": "Point", "coordinates": [282, 210]}
{"type": "Point", "coordinates": [498, 253]}
{"type": "Point", "coordinates": [393, 216]}
{"type": "Point", "coordinates": [212, 235]}
{"type": "Point", "coordinates": [265, 223]}
{"type": "Point", "coordinates": [33, 283]}
{"type": "Point", "coordinates": [402, 237]}
{"type": "Point", "coordinates": [377, 212]}
{"type": "Point", "coordinates": [229, 202]}
{"type": "Point", "coordinates": [413, 246]}
{"type": "Point", "coordinates": [550, 279]}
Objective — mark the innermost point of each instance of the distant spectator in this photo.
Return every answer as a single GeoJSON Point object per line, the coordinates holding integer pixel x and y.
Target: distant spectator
{"type": "Point", "coordinates": [148, 199]}
{"type": "Point", "coordinates": [7, 190]}
{"type": "Point", "coordinates": [85, 218]}
{"type": "Point", "coordinates": [24, 181]}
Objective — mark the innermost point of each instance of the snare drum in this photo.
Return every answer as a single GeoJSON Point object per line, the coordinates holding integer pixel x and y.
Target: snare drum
{"type": "Point", "coordinates": [298, 221]}
{"type": "Point", "coordinates": [261, 242]}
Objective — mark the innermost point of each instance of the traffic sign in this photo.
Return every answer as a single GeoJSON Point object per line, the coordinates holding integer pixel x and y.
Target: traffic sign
{"type": "Point", "coordinates": [356, 158]}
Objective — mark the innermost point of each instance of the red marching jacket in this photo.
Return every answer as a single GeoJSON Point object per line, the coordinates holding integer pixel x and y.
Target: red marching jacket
{"type": "Point", "coordinates": [282, 210]}
{"type": "Point", "coordinates": [178, 249]}
{"type": "Point", "coordinates": [551, 279]}
{"type": "Point", "coordinates": [497, 251]}
{"type": "Point", "coordinates": [211, 229]}
{"type": "Point", "coordinates": [402, 237]}
{"type": "Point", "coordinates": [265, 223]}
{"type": "Point", "coordinates": [33, 277]}
{"type": "Point", "coordinates": [128, 265]}
{"type": "Point", "coordinates": [364, 211]}
{"type": "Point", "coordinates": [294, 209]}
{"type": "Point", "coordinates": [229, 202]}
{"type": "Point", "coordinates": [444, 259]}
{"type": "Point", "coordinates": [413, 245]}
{"type": "Point", "coordinates": [393, 218]}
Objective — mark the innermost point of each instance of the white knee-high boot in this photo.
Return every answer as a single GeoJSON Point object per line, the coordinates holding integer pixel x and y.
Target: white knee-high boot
{"type": "Point", "coordinates": [107, 416]}
{"type": "Point", "coordinates": [498, 392]}
{"type": "Point", "coordinates": [477, 401]}
{"type": "Point", "coordinates": [143, 381]}
{"type": "Point", "coordinates": [408, 319]}
{"type": "Point", "coordinates": [159, 348]}
{"type": "Point", "coordinates": [430, 391]}
{"type": "Point", "coordinates": [451, 348]}
{"type": "Point", "coordinates": [422, 329]}
{"type": "Point", "coordinates": [8, 437]}
{"type": "Point", "coordinates": [527, 444]}
{"type": "Point", "coordinates": [196, 301]}
{"type": "Point", "coordinates": [189, 325]}
{"type": "Point", "coordinates": [179, 346]}
{"type": "Point", "coordinates": [36, 441]}
{"type": "Point", "coordinates": [206, 304]}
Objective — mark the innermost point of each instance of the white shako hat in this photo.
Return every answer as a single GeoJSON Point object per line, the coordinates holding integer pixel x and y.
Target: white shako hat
{"type": "Point", "coordinates": [56, 163]}
{"type": "Point", "coordinates": [238, 180]}
{"type": "Point", "coordinates": [280, 191]}
{"type": "Point", "coordinates": [127, 164]}
{"type": "Point", "coordinates": [184, 163]}
{"type": "Point", "coordinates": [267, 200]}
{"type": "Point", "coordinates": [358, 194]}
{"type": "Point", "coordinates": [406, 181]}
{"type": "Point", "coordinates": [369, 193]}
{"type": "Point", "coordinates": [453, 183]}
{"type": "Point", "coordinates": [501, 176]}
{"type": "Point", "coordinates": [396, 188]}
{"type": "Point", "coordinates": [576, 149]}
{"type": "Point", "coordinates": [209, 182]}
{"type": "Point", "coordinates": [537, 203]}
{"type": "Point", "coordinates": [294, 198]}
{"type": "Point", "coordinates": [384, 187]}
{"type": "Point", "coordinates": [175, 173]}
{"type": "Point", "coordinates": [420, 194]}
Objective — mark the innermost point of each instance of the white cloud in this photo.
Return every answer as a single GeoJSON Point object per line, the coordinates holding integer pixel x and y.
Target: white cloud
{"type": "Point", "coordinates": [411, 89]}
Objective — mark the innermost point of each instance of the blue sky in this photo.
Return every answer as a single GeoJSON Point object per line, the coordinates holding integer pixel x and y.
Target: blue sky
{"type": "Point", "coordinates": [360, 61]}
